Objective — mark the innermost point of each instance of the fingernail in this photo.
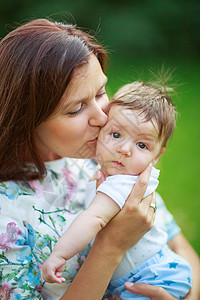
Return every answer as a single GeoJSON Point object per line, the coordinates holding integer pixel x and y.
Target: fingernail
{"type": "Point", "coordinates": [129, 284]}
{"type": "Point", "coordinates": [98, 175]}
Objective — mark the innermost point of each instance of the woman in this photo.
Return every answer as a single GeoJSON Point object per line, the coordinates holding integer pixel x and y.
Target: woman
{"type": "Point", "coordinates": [52, 106]}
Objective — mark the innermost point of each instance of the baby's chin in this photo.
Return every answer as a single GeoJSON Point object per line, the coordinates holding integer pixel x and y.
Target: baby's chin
{"type": "Point", "coordinates": [112, 172]}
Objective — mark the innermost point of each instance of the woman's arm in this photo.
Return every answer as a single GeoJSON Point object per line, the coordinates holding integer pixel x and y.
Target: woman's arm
{"type": "Point", "coordinates": [180, 245]}
{"type": "Point", "coordinates": [111, 243]}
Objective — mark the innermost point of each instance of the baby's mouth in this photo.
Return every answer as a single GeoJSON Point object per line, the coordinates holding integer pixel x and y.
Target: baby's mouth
{"type": "Point", "coordinates": [119, 164]}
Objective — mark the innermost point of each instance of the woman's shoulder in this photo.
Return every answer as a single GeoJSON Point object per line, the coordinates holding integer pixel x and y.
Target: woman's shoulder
{"type": "Point", "coordinates": [84, 167]}
{"type": "Point", "coordinates": [65, 176]}
{"type": "Point", "coordinates": [12, 190]}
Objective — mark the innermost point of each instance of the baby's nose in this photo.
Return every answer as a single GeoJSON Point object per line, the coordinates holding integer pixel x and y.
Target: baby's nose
{"type": "Point", "coordinates": [125, 150]}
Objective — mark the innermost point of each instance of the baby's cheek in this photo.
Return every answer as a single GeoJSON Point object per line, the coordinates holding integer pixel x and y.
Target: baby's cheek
{"type": "Point", "coordinates": [99, 155]}
{"type": "Point", "coordinates": [138, 166]}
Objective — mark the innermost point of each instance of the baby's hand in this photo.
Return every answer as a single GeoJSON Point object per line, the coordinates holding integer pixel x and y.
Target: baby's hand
{"type": "Point", "coordinates": [53, 268]}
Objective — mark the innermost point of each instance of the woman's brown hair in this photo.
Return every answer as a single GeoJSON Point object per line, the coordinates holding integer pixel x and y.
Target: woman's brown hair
{"type": "Point", "coordinates": [37, 61]}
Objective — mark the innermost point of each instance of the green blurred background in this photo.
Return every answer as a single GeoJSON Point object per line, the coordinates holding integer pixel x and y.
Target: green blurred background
{"type": "Point", "coordinates": [142, 35]}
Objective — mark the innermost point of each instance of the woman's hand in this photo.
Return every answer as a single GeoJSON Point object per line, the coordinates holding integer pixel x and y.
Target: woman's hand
{"type": "Point", "coordinates": [134, 220]}
{"type": "Point", "coordinates": [153, 292]}
{"type": "Point", "coordinates": [150, 291]}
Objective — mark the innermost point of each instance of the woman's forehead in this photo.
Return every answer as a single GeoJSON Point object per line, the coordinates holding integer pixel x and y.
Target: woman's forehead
{"type": "Point", "coordinates": [86, 81]}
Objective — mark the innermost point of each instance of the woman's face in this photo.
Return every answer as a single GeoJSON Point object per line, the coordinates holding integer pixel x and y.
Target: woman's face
{"type": "Point", "coordinates": [73, 129]}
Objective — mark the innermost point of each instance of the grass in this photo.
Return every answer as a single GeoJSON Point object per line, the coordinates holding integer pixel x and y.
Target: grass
{"type": "Point", "coordinates": [179, 178]}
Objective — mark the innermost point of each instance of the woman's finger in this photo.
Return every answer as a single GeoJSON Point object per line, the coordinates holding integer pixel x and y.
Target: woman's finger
{"type": "Point", "coordinates": [153, 292]}
{"type": "Point", "coordinates": [140, 187]}
{"type": "Point", "coordinates": [148, 206]}
{"type": "Point", "coordinates": [152, 206]}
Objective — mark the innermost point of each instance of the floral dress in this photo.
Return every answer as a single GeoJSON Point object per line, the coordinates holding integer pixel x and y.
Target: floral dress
{"type": "Point", "coordinates": [33, 215]}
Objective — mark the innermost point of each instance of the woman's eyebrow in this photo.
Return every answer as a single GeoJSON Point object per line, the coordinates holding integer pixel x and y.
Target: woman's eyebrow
{"type": "Point", "coordinates": [104, 83]}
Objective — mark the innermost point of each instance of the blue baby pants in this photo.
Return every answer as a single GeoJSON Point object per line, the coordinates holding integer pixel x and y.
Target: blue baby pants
{"type": "Point", "coordinates": [165, 269]}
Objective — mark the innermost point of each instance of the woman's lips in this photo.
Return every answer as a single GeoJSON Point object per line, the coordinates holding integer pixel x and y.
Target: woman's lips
{"type": "Point", "coordinates": [119, 164]}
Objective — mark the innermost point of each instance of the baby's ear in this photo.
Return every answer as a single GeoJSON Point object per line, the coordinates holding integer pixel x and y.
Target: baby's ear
{"type": "Point", "coordinates": [156, 159]}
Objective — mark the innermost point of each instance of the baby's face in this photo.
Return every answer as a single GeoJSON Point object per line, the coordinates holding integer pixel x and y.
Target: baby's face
{"type": "Point", "coordinates": [127, 144]}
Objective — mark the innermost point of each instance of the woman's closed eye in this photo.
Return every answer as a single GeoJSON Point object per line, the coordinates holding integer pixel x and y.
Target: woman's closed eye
{"type": "Point", "coordinates": [76, 111]}
{"type": "Point", "coordinates": [101, 94]}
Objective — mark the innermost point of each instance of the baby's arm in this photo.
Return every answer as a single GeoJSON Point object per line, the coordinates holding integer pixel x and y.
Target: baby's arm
{"type": "Point", "coordinates": [86, 226]}
{"type": "Point", "coordinates": [80, 233]}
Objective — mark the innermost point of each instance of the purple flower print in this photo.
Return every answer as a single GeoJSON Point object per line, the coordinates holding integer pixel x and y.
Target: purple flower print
{"type": "Point", "coordinates": [5, 291]}
{"type": "Point", "coordinates": [10, 237]}
{"type": "Point", "coordinates": [71, 185]}
{"type": "Point", "coordinates": [37, 188]}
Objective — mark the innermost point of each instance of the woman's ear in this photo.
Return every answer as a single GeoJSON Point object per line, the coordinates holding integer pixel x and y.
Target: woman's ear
{"type": "Point", "coordinates": [156, 159]}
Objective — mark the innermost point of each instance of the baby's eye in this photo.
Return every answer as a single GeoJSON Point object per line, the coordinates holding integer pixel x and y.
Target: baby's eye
{"type": "Point", "coordinates": [141, 145]}
{"type": "Point", "coordinates": [116, 135]}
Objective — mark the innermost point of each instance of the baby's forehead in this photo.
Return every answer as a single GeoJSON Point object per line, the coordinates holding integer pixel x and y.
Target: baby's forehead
{"type": "Point", "coordinates": [127, 114]}
{"type": "Point", "coordinates": [131, 120]}
{"type": "Point", "coordinates": [117, 112]}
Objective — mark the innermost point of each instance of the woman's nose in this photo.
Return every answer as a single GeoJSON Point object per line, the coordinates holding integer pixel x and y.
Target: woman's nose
{"type": "Point", "coordinates": [98, 119]}
{"type": "Point", "coordinates": [98, 116]}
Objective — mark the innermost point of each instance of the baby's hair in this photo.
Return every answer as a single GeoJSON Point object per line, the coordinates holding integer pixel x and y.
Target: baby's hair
{"type": "Point", "coordinates": [151, 102]}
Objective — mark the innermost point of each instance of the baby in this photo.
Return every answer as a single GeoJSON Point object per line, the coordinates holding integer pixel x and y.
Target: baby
{"type": "Point", "coordinates": [141, 119]}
